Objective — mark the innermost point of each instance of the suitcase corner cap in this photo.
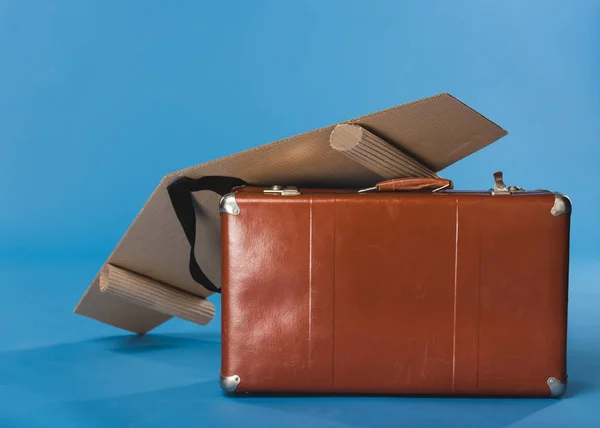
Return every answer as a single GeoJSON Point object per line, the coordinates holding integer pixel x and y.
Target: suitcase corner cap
{"type": "Point", "coordinates": [562, 205]}
{"type": "Point", "coordinates": [229, 383]}
{"type": "Point", "coordinates": [229, 205]}
{"type": "Point", "coordinates": [557, 388]}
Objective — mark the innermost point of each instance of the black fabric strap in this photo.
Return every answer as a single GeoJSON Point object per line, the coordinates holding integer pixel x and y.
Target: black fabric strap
{"type": "Point", "coordinates": [180, 193]}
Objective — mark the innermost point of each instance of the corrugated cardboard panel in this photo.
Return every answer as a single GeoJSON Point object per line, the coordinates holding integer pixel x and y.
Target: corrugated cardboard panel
{"type": "Point", "coordinates": [437, 131]}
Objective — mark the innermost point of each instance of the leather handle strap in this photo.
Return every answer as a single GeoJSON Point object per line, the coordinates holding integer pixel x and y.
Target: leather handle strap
{"type": "Point", "coordinates": [180, 193]}
{"type": "Point", "coordinates": [408, 184]}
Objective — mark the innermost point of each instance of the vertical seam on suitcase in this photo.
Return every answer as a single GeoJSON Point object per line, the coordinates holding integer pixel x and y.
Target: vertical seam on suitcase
{"type": "Point", "coordinates": [455, 298]}
{"type": "Point", "coordinates": [333, 297]}
{"type": "Point", "coordinates": [310, 277]}
{"type": "Point", "coordinates": [479, 291]}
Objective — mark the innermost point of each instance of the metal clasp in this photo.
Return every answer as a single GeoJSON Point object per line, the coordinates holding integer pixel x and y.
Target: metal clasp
{"type": "Point", "coordinates": [283, 191]}
{"type": "Point", "coordinates": [499, 186]}
{"type": "Point", "coordinates": [501, 189]}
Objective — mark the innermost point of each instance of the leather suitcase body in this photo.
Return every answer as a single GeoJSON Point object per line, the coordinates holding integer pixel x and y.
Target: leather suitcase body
{"type": "Point", "coordinates": [395, 291]}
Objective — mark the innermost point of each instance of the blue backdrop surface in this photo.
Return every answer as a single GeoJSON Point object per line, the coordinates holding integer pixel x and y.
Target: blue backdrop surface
{"type": "Point", "coordinates": [100, 99]}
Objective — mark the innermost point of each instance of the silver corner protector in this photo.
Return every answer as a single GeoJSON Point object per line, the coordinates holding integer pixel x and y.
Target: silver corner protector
{"type": "Point", "coordinates": [229, 205]}
{"type": "Point", "coordinates": [557, 388]}
{"type": "Point", "coordinates": [229, 383]}
{"type": "Point", "coordinates": [562, 205]}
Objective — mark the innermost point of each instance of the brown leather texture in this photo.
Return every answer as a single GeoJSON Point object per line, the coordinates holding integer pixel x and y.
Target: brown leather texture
{"type": "Point", "coordinates": [450, 293]}
{"type": "Point", "coordinates": [406, 184]}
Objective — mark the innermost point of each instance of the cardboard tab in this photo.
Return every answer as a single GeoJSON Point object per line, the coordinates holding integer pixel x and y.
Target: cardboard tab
{"type": "Point", "coordinates": [372, 152]}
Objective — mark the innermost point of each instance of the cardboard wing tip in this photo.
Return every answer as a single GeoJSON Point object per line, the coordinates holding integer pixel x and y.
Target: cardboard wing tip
{"type": "Point", "coordinates": [503, 132]}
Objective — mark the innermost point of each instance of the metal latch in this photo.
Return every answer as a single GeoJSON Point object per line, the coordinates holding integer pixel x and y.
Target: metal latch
{"type": "Point", "coordinates": [501, 189]}
{"type": "Point", "coordinates": [283, 191]}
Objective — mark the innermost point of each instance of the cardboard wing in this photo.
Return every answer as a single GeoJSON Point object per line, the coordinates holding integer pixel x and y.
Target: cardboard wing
{"type": "Point", "coordinates": [146, 279]}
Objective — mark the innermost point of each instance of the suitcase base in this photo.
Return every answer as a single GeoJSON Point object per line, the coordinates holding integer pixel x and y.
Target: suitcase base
{"type": "Point", "coordinates": [556, 389]}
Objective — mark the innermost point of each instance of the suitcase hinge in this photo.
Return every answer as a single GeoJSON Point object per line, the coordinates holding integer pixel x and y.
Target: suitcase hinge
{"type": "Point", "coordinates": [283, 191]}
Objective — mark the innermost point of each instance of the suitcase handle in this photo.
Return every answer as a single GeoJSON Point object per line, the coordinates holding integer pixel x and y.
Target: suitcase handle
{"type": "Point", "coordinates": [180, 193]}
{"type": "Point", "coordinates": [408, 184]}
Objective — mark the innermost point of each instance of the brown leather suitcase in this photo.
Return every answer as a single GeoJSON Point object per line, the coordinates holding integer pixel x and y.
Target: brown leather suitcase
{"type": "Point", "coordinates": [407, 288]}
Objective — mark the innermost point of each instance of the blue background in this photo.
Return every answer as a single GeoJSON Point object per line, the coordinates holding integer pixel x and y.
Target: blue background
{"type": "Point", "coordinates": [100, 99]}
